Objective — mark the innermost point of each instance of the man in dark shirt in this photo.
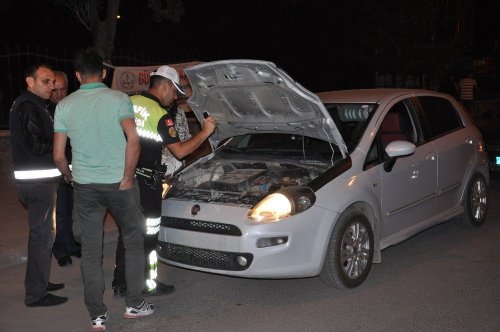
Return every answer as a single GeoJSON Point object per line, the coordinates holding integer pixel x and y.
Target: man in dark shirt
{"type": "Point", "coordinates": [31, 134]}
{"type": "Point", "coordinates": [65, 245]}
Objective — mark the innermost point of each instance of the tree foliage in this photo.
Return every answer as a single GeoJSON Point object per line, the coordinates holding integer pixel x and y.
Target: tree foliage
{"type": "Point", "coordinates": [408, 37]}
{"type": "Point", "coordinates": [100, 17]}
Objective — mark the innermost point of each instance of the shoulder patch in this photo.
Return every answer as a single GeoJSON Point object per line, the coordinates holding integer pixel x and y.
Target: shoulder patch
{"type": "Point", "coordinates": [172, 132]}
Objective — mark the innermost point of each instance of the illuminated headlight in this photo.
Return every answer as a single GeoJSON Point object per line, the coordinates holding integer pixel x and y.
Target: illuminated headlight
{"type": "Point", "coordinates": [273, 207]}
{"type": "Point", "coordinates": [282, 204]}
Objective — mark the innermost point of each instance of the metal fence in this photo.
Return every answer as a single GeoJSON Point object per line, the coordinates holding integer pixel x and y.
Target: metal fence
{"type": "Point", "coordinates": [14, 60]}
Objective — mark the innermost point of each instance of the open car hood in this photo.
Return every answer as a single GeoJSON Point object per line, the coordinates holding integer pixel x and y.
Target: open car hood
{"type": "Point", "coordinates": [252, 96]}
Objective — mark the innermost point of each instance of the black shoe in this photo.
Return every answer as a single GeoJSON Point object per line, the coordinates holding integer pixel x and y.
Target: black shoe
{"type": "Point", "coordinates": [53, 287]}
{"type": "Point", "coordinates": [63, 261]}
{"type": "Point", "coordinates": [77, 253]}
{"type": "Point", "coordinates": [161, 289]}
{"type": "Point", "coordinates": [48, 300]}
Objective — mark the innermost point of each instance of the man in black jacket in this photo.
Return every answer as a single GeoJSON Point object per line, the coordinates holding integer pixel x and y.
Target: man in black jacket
{"type": "Point", "coordinates": [31, 137]}
{"type": "Point", "coordinates": [65, 245]}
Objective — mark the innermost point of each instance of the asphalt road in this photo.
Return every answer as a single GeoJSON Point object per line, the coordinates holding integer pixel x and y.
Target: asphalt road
{"type": "Point", "coordinates": [444, 279]}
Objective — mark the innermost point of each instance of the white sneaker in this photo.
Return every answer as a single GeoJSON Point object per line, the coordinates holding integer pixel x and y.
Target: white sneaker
{"type": "Point", "coordinates": [99, 322]}
{"type": "Point", "coordinates": [144, 309]}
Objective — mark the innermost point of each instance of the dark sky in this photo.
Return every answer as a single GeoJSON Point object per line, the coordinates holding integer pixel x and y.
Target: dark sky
{"type": "Point", "coordinates": [298, 35]}
{"type": "Point", "coordinates": [291, 33]}
{"type": "Point", "coordinates": [235, 27]}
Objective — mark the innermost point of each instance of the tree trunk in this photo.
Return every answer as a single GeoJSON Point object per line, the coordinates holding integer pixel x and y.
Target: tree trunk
{"type": "Point", "coordinates": [103, 31]}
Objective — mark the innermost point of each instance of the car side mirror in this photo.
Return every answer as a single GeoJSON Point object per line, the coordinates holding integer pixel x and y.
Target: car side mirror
{"type": "Point", "coordinates": [395, 150]}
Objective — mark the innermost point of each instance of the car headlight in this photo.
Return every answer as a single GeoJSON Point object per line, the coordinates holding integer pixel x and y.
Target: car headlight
{"type": "Point", "coordinates": [283, 203]}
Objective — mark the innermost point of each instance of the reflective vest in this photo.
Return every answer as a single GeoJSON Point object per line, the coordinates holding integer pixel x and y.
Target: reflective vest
{"type": "Point", "coordinates": [36, 174]}
{"type": "Point", "coordinates": [147, 114]}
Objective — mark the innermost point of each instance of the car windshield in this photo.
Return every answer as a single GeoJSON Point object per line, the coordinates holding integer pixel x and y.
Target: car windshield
{"type": "Point", "coordinates": [286, 145]}
{"type": "Point", "coordinates": [351, 120]}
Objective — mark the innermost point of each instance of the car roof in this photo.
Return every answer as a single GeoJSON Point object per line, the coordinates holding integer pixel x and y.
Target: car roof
{"type": "Point", "coordinates": [370, 95]}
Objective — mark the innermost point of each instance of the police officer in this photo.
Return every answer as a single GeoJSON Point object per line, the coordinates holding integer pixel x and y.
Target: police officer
{"type": "Point", "coordinates": [31, 138]}
{"type": "Point", "coordinates": [156, 128]}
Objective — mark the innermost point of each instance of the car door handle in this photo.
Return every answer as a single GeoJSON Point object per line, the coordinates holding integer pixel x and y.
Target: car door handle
{"type": "Point", "coordinates": [431, 157]}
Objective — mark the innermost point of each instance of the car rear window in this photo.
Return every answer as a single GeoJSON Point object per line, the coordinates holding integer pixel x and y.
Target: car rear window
{"type": "Point", "coordinates": [437, 117]}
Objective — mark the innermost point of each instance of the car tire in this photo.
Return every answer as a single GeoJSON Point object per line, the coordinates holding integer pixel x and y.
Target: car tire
{"type": "Point", "coordinates": [476, 201]}
{"type": "Point", "coordinates": [349, 255]}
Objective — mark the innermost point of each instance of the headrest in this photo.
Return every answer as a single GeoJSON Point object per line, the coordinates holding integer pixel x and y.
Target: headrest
{"type": "Point", "coordinates": [391, 123]}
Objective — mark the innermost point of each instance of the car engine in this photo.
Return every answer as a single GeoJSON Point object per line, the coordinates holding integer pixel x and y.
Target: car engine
{"type": "Point", "coordinates": [240, 182]}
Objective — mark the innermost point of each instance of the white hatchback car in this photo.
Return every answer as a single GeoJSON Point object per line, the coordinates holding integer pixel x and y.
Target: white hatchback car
{"type": "Point", "coordinates": [302, 185]}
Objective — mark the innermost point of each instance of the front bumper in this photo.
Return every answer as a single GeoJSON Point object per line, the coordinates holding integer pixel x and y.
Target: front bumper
{"type": "Point", "coordinates": [220, 239]}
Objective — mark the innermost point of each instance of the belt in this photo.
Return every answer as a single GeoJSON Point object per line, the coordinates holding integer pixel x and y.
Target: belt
{"type": "Point", "coordinates": [142, 171]}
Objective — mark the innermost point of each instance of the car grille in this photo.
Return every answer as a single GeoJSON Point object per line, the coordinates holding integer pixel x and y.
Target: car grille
{"type": "Point", "coordinates": [200, 226]}
{"type": "Point", "coordinates": [211, 259]}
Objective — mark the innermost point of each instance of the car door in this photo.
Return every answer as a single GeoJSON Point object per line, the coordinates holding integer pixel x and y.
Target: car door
{"type": "Point", "coordinates": [408, 189]}
{"type": "Point", "coordinates": [444, 128]}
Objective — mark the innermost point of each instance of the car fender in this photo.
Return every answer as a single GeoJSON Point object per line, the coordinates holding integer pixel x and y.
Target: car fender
{"type": "Point", "coordinates": [479, 161]}
{"type": "Point", "coordinates": [359, 188]}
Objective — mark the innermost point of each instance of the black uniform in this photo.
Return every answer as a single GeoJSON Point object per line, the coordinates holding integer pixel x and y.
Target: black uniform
{"type": "Point", "coordinates": [31, 138]}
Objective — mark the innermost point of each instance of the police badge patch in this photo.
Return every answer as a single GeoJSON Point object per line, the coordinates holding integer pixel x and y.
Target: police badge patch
{"type": "Point", "coordinates": [172, 132]}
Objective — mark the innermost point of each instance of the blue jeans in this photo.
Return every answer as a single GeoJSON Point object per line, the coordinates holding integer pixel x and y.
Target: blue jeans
{"type": "Point", "coordinates": [90, 204]}
{"type": "Point", "coordinates": [40, 200]}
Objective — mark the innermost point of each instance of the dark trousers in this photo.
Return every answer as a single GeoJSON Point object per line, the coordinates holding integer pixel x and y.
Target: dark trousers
{"type": "Point", "coordinates": [150, 242]}
{"type": "Point", "coordinates": [40, 200]}
{"type": "Point", "coordinates": [90, 205]}
{"type": "Point", "coordinates": [65, 243]}
{"type": "Point", "coordinates": [151, 200]}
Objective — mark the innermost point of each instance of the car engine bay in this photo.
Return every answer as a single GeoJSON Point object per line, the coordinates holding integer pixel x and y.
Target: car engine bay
{"type": "Point", "coordinates": [242, 181]}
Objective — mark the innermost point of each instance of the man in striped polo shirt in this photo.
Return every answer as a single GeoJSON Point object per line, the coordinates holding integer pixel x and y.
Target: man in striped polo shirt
{"type": "Point", "coordinates": [468, 90]}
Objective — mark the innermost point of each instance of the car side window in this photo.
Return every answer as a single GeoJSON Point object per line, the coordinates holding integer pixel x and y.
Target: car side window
{"type": "Point", "coordinates": [437, 117]}
{"type": "Point", "coordinates": [396, 126]}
